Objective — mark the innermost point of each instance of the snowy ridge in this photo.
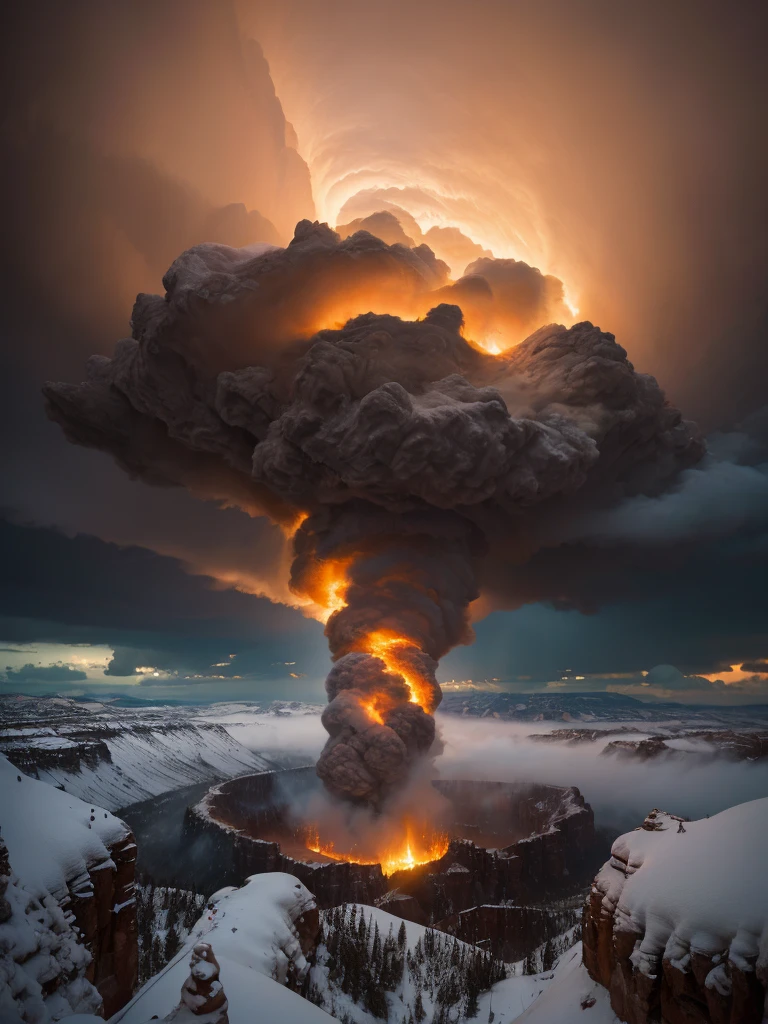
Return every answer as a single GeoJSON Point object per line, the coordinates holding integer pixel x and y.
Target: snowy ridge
{"type": "Point", "coordinates": [53, 838]}
{"type": "Point", "coordinates": [692, 887]}
{"type": "Point", "coordinates": [116, 759]}
{"type": "Point", "coordinates": [570, 996]}
{"type": "Point", "coordinates": [253, 932]}
{"type": "Point", "coordinates": [42, 962]}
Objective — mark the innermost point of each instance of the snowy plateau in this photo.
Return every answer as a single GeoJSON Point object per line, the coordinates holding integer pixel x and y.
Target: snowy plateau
{"type": "Point", "coordinates": [118, 756]}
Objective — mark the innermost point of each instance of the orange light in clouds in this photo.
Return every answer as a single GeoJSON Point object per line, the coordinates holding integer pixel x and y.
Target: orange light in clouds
{"type": "Point", "coordinates": [373, 712]}
{"type": "Point", "coordinates": [384, 644]}
{"type": "Point", "coordinates": [328, 586]}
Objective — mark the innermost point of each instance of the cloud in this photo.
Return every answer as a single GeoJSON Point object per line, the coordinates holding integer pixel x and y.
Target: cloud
{"type": "Point", "coordinates": [591, 184]}
{"type": "Point", "coordinates": [666, 682]}
{"type": "Point", "coordinates": [146, 607]}
{"type": "Point", "coordinates": [621, 791]}
{"type": "Point", "coordinates": [755, 666]}
{"type": "Point", "coordinates": [43, 674]}
{"type": "Point", "coordinates": [713, 499]}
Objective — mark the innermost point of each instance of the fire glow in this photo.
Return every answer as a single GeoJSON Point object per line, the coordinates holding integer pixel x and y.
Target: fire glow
{"type": "Point", "coordinates": [416, 847]}
{"type": "Point", "coordinates": [385, 644]}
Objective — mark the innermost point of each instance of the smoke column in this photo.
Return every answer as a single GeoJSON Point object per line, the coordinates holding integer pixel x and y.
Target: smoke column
{"type": "Point", "coordinates": [398, 453]}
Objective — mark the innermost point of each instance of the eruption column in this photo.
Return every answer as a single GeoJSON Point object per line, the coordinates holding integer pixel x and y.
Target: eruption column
{"type": "Point", "coordinates": [403, 452]}
{"type": "Point", "coordinates": [398, 602]}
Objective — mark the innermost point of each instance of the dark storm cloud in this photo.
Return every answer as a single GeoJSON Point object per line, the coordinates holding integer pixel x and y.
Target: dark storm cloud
{"type": "Point", "coordinates": [33, 674]}
{"type": "Point", "coordinates": [72, 590]}
{"type": "Point", "coordinates": [755, 666]}
{"type": "Point", "coordinates": [101, 187]}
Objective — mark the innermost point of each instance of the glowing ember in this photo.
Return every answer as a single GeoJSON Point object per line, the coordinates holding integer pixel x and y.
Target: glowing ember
{"type": "Point", "coordinates": [329, 585]}
{"type": "Point", "coordinates": [387, 645]}
{"type": "Point", "coordinates": [373, 712]}
{"type": "Point", "coordinates": [417, 846]}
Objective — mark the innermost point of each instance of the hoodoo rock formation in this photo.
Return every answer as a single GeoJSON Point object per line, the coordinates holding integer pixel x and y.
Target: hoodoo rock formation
{"type": "Point", "coordinates": [202, 994]}
{"type": "Point", "coordinates": [676, 923]}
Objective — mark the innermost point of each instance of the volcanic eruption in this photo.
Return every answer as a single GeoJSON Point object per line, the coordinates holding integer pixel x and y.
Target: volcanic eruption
{"type": "Point", "coordinates": [400, 456]}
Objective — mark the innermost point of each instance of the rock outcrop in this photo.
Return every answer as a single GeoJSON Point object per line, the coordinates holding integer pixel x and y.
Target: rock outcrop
{"type": "Point", "coordinates": [676, 923]}
{"type": "Point", "coordinates": [202, 994]}
{"type": "Point", "coordinates": [76, 863]}
{"type": "Point", "coordinates": [44, 964]}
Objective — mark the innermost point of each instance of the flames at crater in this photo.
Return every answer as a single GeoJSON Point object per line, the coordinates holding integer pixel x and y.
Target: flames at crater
{"type": "Point", "coordinates": [411, 844]}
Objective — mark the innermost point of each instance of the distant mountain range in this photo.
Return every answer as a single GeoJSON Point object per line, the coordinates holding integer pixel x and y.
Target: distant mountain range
{"type": "Point", "coordinates": [595, 707]}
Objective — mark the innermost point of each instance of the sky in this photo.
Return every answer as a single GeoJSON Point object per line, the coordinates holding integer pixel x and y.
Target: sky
{"type": "Point", "coordinates": [612, 147]}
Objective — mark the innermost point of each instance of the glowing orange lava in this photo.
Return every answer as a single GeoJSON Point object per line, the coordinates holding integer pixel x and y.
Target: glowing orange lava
{"type": "Point", "coordinates": [390, 646]}
{"type": "Point", "coordinates": [414, 847]}
{"type": "Point", "coordinates": [373, 712]}
{"type": "Point", "coordinates": [329, 586]}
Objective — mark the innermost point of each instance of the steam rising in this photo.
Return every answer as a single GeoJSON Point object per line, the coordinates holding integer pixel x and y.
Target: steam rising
{"type": "Point", "coordinates": [399, 453]}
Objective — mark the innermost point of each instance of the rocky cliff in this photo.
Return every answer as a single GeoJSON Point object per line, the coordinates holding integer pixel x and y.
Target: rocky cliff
{"type": "Point", "coordinates": [676, 922]}
{"type": "Point", "coordinates": [76, 863]}
{"type": "Point", "coordinates": [118, 756]}
{"type": "Point", "coordinates": [537, 842]}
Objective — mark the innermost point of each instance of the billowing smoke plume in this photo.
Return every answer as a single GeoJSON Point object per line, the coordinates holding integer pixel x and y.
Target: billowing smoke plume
{"type": "Point", "coordinates": [402, 455]}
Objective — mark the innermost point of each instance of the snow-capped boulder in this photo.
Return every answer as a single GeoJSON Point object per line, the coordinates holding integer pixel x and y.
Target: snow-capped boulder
{"type": "Point", "coordinates": [676, 925]}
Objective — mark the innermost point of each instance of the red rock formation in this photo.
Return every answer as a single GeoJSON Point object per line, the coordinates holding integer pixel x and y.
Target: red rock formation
{"type": "Point", "coordinates": [104, 909]}
{"type": "Point", "coordinates": [202, 993]}
{"type": "Point", "coordinates": [679, 985]}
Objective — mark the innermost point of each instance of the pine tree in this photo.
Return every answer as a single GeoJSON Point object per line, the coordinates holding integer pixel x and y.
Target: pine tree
{"type": "Point", "coordinates": [157, 955]}
{"type": "Point", "coordinates": [172, 944]}
{"type": "Point", "coordinates": [472, 1007]}
{"type": "Point", "coordinates": [548, 957]}
{"type": "Point", "coordinates": [402, 936]}
{"type": "Point", "coordinates": [419, 1012]}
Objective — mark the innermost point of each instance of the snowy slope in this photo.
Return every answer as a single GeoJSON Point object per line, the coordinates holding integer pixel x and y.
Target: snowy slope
{"type": "Point", "coordinates": [254, 940]}
{"type": "Point", "coordinates": [42, 961]}
{"type": "Point", "coordinates": [570, 997]}
{"type": "Point", "coordinates": [115, 756]}
{"type": "Point", "coordinates": [54, 843]}
{"type": "Point", "coordinates": [50, 835]}
{"type": "Point", "coordinates": [148, 762]}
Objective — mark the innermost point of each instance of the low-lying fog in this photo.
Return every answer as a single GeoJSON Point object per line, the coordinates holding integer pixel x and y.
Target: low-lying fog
{"type": "Point", "coordinates": [621, 790]}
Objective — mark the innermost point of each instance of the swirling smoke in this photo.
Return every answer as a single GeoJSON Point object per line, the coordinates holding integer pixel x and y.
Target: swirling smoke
{"type": "Point", "coordinates": [399, 454]}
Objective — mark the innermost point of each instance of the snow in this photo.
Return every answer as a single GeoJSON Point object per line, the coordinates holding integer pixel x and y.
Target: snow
{"type": "Point", "coordinates": [400, 1001]}
{"type": "Point", "coordinates": [509, 998]}
{"type": "Point", "coordinates": [701, 890]}
{"type": "Point", "coordinates": [254, 940]}
{"type": "Point", "coordinates": [148, 762]}
{"type": "Point", "coordinates": [42, 962]}
{"type": "Point", "coordinates": [50, 836]}
{"type": "Point", "coordinates": [570, 996]}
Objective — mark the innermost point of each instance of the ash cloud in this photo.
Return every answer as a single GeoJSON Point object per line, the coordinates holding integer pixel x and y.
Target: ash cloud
{"type": "Point", "coordinates": [406, 457]}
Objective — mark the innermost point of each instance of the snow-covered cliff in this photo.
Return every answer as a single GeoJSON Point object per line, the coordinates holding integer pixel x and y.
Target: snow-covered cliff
{"type": "Point", "coordinates": [119, 756]}
{"type": "Point", "coordinates": [69, 938]}
{"type": "Point", "coordinates": [677, 919]}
